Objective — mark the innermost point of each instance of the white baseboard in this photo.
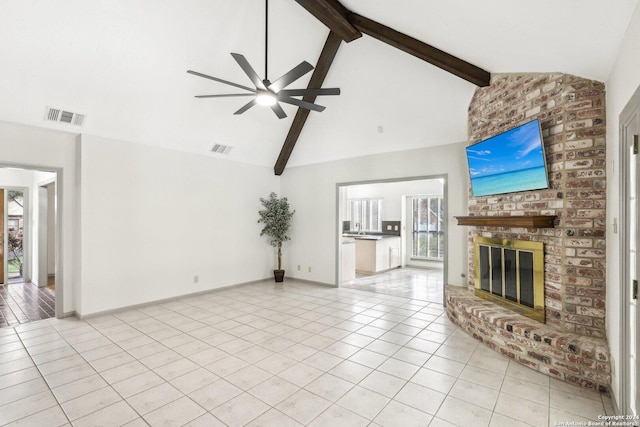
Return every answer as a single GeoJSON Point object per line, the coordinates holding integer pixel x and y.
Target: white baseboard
{"type": "Point", "coordinates": [164, 300]}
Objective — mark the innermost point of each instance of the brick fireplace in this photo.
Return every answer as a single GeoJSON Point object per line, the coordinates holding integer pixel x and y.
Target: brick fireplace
{"type": "Point", "coordinates": [571, 344]}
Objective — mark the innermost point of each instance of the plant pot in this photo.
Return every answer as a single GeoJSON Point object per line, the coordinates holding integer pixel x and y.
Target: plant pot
{"type": "Point", "coordinates": [279, 275]}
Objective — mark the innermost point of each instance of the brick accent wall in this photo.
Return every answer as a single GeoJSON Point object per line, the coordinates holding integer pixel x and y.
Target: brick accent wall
{"type": "Point", "coordinates": [572, 114]}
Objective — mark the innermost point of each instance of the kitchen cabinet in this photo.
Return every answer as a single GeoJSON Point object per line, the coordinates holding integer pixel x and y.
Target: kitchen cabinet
{"type": "Point", "coordinates": [348, 259]}
{"type": "Point", "coordinates": [376, 255]}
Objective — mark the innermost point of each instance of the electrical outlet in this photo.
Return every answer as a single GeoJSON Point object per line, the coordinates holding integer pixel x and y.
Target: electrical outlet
{"type": "Point", "coordinates": [195, 279]}
{"type": "Point", "coordinates": [298, 267]}
{"type": "Point", "coordinates": [309, 269]}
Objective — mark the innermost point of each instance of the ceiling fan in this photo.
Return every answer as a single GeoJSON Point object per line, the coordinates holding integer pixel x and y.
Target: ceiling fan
{"type": "Point", "coordinates": [266, 92]}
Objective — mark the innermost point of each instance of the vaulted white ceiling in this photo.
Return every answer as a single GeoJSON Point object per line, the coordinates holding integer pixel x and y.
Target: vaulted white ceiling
{"type": "Point", "coordinates": [123, 64]}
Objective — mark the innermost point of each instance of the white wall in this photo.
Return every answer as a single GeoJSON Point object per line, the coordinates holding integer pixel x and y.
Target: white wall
{"type": "Point", "coordinates": [311, 190]}
{"type": "Point", "coordinates": [44, 149]}
{"type": "Point", "coordinates": [622, 83]}
{"type": "Point", "coordinates": [153, 218]}
{"type": "Point", "coordinates": [137, 223]}
{"type": "Point", "coordinates": [16, 178]}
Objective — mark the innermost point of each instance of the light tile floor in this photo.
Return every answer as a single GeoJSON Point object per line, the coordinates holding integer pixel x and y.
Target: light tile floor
{"type": "Point", "coordinates": [415, 283]}
{"type": "Point", "coordinates": [273, 355]}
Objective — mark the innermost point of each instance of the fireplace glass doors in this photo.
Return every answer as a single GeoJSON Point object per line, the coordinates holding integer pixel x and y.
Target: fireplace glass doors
{"type": "Point", "coordinates": [511, 273]}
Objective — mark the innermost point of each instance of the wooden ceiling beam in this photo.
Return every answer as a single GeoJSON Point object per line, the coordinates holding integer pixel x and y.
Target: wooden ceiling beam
{"type": "Point", "coordinates": [348, 26]}
{"type": "Point", "coordinates": [317, 79]}
{"type": "Point", "coordinates": [421, 50]}
{"type": "Point", "coordinates": [332, 14]}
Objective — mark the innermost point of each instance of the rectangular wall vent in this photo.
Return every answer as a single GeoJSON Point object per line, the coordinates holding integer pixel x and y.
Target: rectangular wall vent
{"type": "Point", "coordinates": [62, 116]}
{"type": "Point", "coordinates": [221, 149]}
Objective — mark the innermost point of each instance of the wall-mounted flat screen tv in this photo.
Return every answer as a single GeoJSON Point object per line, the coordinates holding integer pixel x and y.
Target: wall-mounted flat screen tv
{"type": "Point", "coordinates": [509, 162]}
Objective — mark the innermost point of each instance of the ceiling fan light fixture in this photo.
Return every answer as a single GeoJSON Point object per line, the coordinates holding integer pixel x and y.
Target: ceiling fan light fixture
{"type": "Point", "coordinates": [266, 98]}
{"type": "Point", "coordinates": [267, 93]}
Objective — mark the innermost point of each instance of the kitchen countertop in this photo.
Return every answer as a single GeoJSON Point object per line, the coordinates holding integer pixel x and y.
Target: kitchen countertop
{"type": "Point", "coordinates": [368, 236]}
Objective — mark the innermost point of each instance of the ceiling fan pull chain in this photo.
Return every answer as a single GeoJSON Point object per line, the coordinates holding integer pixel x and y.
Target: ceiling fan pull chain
{"type": "Point", "coordinates": [266, 37]}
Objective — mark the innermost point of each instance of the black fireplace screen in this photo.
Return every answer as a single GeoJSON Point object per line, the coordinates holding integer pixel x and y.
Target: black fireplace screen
{"type": "Point", "coordinates": [511, 271]}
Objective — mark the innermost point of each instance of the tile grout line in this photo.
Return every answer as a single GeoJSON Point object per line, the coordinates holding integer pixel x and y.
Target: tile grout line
{"type": "Point", "coordinates": [43, 379]}
{"type": "Point", "coordinates": [326, 311]}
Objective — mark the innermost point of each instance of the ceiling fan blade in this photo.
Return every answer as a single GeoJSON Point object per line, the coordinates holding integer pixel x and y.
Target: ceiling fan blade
{"type": "Point", "coordinates": [298, 71]}
{"type": "Point", "coordinates": [246, 107]}
{"type": "Point", "coordinates": [195, 73]}
{"type": "Point", "coordinates": [278, 110]}
{"type": "Point", "coordinates": [300, 103]}
{"type": "Point", "coordinates": [225, 95]}
{"type": "Point", "coordinates": [311, 92]}
{"type": "Point", "coordinates": [248, 70]}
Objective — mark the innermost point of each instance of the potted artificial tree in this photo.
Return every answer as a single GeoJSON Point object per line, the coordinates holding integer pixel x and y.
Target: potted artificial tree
{"type": "Point", "coordinates": [276, 218]}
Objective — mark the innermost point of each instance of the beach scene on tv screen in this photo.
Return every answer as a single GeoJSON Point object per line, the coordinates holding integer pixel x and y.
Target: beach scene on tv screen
{"type": "Point", "coordinates": [510, 162]}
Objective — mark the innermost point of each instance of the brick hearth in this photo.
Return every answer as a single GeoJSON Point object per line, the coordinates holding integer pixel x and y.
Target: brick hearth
{"type": "Point", "coordinates": [576, 359]}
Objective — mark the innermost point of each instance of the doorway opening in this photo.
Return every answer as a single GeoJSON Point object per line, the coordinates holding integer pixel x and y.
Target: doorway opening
{"type": "Point", "coordinates": [24, 294]}
{"type": "Point", "coordinates": [391, 236]}
{"type": "Point", "coordinates": [630, 263]}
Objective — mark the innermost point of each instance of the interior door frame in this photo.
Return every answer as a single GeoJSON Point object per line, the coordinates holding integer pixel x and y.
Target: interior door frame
{"type": "Point", "coordinates": [5, 237]}
{"type": "Point", "coordinates": [338, 223]}
{"type": "Point", "coordinates": [43, 263]}
{"type": "Point", "coordinates": [628, 114]}
{"type": "Point", "coordinates": [59, 308]}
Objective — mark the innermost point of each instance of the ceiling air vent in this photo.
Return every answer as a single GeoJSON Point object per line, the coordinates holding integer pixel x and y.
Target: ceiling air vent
{"type": "Point", "coordinates": [62, 116]}
{"type": "Point", "coordinates": [221, 149]}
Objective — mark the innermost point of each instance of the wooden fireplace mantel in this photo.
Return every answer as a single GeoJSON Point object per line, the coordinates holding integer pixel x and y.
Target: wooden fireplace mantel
{"type": "Point", "coordinates": [527, 221]}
